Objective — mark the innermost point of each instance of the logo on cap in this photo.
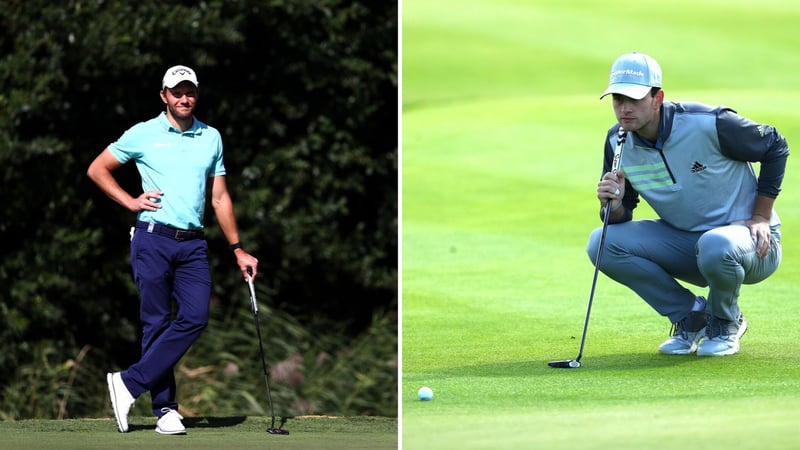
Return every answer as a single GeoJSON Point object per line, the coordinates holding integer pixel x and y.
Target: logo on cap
{"type": "Point", "coordinates": [630, 72]}
{"type": "Point", "coordinates": [182, 71]}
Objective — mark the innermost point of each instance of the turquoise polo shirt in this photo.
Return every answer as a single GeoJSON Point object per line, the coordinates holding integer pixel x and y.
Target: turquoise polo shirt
{"type": "Point", "coordinates": [176, 163]}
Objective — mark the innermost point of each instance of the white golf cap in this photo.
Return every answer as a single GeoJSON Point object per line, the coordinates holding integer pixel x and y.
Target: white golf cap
{"type": "Point", "coordinates": [176, 74]}
{"type": "Point", "coordinates": [633, 75]}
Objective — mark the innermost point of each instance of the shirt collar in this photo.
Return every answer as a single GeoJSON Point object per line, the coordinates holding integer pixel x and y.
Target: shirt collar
{"type": "Point", "coordinates": [196, 129]}
{"type": "Point", "coordinates": [664, 128]}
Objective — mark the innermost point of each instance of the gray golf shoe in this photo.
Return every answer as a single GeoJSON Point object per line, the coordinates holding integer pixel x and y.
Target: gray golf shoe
{"type": "Point", "coordinates": [685, 335]}
{"type": "Point", "coordinates": [722, 337]}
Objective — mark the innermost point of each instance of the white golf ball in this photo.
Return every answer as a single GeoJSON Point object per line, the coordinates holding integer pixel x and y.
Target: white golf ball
{"type": "Point", "coordinates": [425, 393]}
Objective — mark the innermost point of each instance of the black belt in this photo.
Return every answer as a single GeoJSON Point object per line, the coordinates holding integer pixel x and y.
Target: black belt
{"type": "Point", "coordinates": [174, 233]}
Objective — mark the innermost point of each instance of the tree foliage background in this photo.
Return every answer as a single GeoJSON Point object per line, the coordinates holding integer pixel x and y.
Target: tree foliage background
{"type": "Point", "coordinates": [304, 93]}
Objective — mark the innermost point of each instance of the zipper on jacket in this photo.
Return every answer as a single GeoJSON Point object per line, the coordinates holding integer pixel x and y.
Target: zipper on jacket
{"type": "Point", "coordinates": [669, 171]}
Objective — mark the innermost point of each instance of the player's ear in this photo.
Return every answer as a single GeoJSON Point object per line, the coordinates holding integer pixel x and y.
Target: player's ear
{"type": "Point", "coordinates": [659, 98]}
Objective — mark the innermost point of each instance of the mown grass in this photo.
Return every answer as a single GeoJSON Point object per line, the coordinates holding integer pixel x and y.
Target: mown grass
{"type": "Point", "coordinates": [502, 146]}
{"type": "Point", "coordinates": [239, 432]}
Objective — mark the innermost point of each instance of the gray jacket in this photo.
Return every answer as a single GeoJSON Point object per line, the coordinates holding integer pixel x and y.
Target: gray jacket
{"type": "Point", "coordinates": [698, 174]}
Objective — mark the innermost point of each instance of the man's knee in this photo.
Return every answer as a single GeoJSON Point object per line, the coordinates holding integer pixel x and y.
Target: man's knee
{"type": "Point", "coordinates": [591, 246]}
{"type": "Point", "coordinates": [713, 249]}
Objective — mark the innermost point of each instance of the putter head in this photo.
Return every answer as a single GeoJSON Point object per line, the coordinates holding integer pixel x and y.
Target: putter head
{"type": "Point", "coordinates": [565, 364]}
{"type": "Point", "coordinates": [273, 430]}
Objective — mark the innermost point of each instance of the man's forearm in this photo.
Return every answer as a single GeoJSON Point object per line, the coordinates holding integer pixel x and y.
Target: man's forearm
{"type": "Point", "coordinates": [223, 208]}
{"type": "Point", "coordinates": [763, 207]}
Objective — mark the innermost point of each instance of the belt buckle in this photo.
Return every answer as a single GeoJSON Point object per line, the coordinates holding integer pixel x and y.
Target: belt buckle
{"type": "Point", "coordinates": [179, 235]}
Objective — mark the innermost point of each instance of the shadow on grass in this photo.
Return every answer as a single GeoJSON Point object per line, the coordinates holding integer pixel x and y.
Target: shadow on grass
{"type": "Point", "coordinates": [636, 361]}
{"type": "Point", "coordinates": [616, 362]}
{"type": "Point", "coordinates": [199, 422]}
{"type": "Point", "coordinates": [213, 422]}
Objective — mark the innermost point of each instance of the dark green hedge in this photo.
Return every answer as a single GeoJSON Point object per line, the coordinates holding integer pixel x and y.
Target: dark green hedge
{"type": "Point", "coordinates": [305, 96]}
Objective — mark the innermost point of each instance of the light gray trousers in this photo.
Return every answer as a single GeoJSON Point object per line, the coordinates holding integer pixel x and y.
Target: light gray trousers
{"type": "Point", "coordinates": [649, 256]}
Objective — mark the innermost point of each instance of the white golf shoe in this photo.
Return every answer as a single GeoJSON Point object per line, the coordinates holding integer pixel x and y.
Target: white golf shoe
{"type": "Point", "coordinates": [170, 422]}
{"type": "Point", "coordinates": [121, 400]}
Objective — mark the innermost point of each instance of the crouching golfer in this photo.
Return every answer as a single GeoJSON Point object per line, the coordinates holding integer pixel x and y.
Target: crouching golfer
{"type": "Point", "coordinates": [176, 156]}
{"type": "Point", "coordinates": [716, 228]}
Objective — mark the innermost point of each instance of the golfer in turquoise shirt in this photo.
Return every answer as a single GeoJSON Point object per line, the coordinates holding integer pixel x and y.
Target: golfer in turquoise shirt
{"type": "Point", "coordinates": [177, 156]}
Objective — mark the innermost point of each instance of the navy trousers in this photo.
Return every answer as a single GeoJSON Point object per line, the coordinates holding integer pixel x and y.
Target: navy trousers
{"type": "Point", "coordinates": [166, 269]}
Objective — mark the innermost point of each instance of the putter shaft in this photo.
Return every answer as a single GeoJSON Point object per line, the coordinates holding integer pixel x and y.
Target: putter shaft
{"type": "Point", "coordinates": [254, 305]}
{"type": "Point", "coordinates": [615, 165]}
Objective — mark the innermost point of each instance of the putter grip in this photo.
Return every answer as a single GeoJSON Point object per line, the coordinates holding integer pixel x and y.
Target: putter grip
{"type": "Point", "coordinates": [615, 163]}
{"type": "Point", "coordinates": [253, 302]}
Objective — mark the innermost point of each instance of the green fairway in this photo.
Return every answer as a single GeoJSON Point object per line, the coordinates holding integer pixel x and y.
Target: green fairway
{"type": "Point", "coordinates": [502, 137]}
{"type": "Point", "coordinates": [203, 433]}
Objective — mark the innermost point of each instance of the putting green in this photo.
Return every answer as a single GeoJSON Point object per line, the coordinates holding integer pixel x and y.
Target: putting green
{"type": "Point", "coordinates": [502, 135]}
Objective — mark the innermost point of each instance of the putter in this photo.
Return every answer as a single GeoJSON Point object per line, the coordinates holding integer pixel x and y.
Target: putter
{"type": "Point", "coordinates": [575, 363]}
{"type": "Point", "coordinates": [272, 429]}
